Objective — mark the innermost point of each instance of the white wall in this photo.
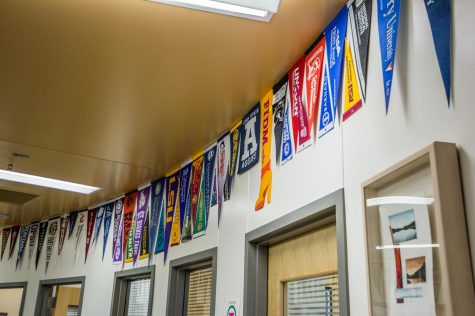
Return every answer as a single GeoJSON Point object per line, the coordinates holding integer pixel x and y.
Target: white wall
{"type": "Point", "coordinates": [367, 143]}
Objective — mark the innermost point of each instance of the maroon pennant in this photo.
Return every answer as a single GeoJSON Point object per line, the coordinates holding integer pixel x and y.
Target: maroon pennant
{"type": "Point", "coordinates": [91, 219]}
{"type": "Point", "coordinates": [13, 238]}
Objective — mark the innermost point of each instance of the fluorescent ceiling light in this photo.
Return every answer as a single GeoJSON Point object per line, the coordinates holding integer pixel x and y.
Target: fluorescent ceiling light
{"type": "Point", "coordinates": [46, 182]}
{"type": "Point", "coordinates": [222, 7]}
{"type": "Point", "coordinates": [399, 200]}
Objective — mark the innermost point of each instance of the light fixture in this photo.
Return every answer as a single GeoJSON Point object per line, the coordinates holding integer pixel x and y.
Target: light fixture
{"type": "Point", "coordinates": [46, 182]}
{"type": "Point", "coordinates": [262, 10]}
{"type": "Point", "coordinates": [407, 246]}
{"type": "Point", "coordinates": [399, 200]}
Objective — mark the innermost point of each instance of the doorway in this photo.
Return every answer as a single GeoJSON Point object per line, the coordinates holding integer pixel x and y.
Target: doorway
{"type": "Point", "coordinates": [12, 298]}
{"type": "Point", "coordinates": [60, 297]}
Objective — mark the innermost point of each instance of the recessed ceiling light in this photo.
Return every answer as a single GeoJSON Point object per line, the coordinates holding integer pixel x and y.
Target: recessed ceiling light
{"type": "Point", "coordinates": [46, 182]}
{"type": "Point", "coordinates": [258, 10]}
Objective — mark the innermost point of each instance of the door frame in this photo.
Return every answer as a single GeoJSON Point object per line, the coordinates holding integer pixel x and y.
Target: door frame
{"type": "Point", "coordinates": [329, 209]}
{"type": "Point", "coordinates": [45, 284]}
{"type": "Point", "coordinates": [17, 285]}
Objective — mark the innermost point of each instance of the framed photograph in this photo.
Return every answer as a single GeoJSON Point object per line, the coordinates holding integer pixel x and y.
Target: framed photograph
{"type": "Point", "coordinates": [411, 210]}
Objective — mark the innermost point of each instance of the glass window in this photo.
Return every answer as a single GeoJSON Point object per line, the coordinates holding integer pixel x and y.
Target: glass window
{"type": "Point", "coordinates": [138, 297]}
{"type": "Point", "coordinates": [199, 292]}
{"type": "Point", "coordinates": [313, 296]}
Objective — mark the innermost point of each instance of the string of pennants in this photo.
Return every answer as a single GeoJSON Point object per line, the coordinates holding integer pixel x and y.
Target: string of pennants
{"type": "Point", "coordinates": [302, 107]}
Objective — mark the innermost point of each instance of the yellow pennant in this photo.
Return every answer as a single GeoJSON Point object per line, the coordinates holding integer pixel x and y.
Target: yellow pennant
{"type": "Point", "coordinates": [175, 232]}
{"type": "Point", "coordinates": [353, 101]}
{"type": "Point", "coordinates": [266, 142]}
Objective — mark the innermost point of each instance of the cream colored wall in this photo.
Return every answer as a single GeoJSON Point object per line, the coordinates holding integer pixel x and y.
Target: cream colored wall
{"type": "Point", "coordinates": [10, 301]}
{"type": "Point", "coordinates": [367, 143]}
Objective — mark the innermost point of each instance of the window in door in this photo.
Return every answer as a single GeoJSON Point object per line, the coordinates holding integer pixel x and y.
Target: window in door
{"type": "Point", "coordinates": [12, 298]}
{"type": "Point", "coordinates": [60, 297]}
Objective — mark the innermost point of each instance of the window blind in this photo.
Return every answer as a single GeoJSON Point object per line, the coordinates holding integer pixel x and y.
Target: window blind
{"type": "Point", "coordinates": [73, 310]}
{"type": "Point", "coordinates": [199, 292]}
{"type": "Point", "coordinates": [313, 296]}
{"type": "Point", "coordinates": [138, 296]}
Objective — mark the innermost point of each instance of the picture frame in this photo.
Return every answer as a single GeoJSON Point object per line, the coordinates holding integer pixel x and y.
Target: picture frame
{"type": "Point", "coordinates": [417, 250]}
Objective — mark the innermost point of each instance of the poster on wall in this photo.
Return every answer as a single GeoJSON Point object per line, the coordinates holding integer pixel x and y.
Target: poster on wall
{"type": "Point", "coordinates": [82, 218]}
{"type": "Point", "coordinates": [249, 144]}
{"type": "Point", "coordinates": [388, 22]}
{"type": "Point", "coordinates": [180, 208]}
{"type": "Point", "coordinates": [352, 101]}
{"type": "Point", "coordinates": [410, 288]}
{"type": "Point", "coordinates": [265, 189]}
{"type": "Point", "coordinates": [127, 221]}
{"type": "Point", "coordinates": [73, 216]}
{"type": "Point", "coordinates": [98, 222]}
{"type": "Point", "coordinates": [313, 76]}
{"type": "Point", "coordinates": [326, 120]}
{"type": "Point", "coordinates": [224, 155]}
{"type": "Point", "coordinates": [140, 219]}
{"type": "Point", "coordinates": [173, 183]}
{"type": "Point", "coordinates": [287, 148]}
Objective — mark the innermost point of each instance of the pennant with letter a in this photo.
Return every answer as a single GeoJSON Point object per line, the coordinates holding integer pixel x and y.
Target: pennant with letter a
{"type": "Point", "coordinates": [440, 23]}
{"type": "Point", "coordinates": [128, 218]}
{"type": "Point", "coordinates": [287, 150]}
{"type": "Point", "coordinates": [5, 235]}
{"type": "Point", "coordinates": [249, 144]}
{"type": "Point", "coordinates": [352, 100]}
{"type": "Point", "coordinates": [301, 131]}
{"type": "Point", "coordinates": [98, 222]}
{"type": "Point", "coordinates": [197, 172]}
{"type": "Point", "coordinates": [359, 15]}
{"type": "Point", "coordinates": [32, 239]}
{"type": "Point", "coordinates": [24, 230]}
{"type": "Point", "coordinates": [91, 219]}
{"type": "Point", "coordinates": [173, 183]}
{"type": "Point", "coordinates": [388, 22]}
{"type": "Point", "coordinates": [156, 198]}
{"type": "Point", "coordinates": [63, 227]}
{"type": "Point", "coordinates": [233, 161]}
{"type": "Point", "coordinates": [278, 110]}
{"type": "Point", "coordinates": [160, 244]}
{"type": "Point", "coordinates": [73, 216]}
{"type": "Point", "coordinates": [109, 209]}
{"type": "Point", "coordinates": [41, 239]}
{"type": "Point", "coordinates": [52, 230]}
{"type": "Point", "coordinates": [181, 204]}
{"type": "Point", "coordinates": [335, 34]}
{"type": "Point", "coordinates": [224, 146]}
{"type": "Point", "coordinates": [13, 237]}
{"type": "Point", "coordinates": [140, 219]}
{"type": "Point", "coordinates": [266, 146]}
{"type": "Point", "coordinates": [117, 231]}
{"type": "Point", "coordinates": [313, 76]}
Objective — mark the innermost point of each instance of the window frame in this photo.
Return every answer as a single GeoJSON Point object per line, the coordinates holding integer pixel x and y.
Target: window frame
{"type": "Point", "coordinates": [16, 285]}
{"type": "Point", "coordinates": [178, 279]}
{"type": "Point", "coordinates": [121, 284]}
{"type": "Point", "coordinates": [45, 284]}
{"type": "Point", "coordinates": [329, 209]}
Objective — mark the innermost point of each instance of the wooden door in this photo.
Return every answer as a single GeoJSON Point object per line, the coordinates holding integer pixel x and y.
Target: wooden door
{"type": "Point", "coordinates": [309, 255]}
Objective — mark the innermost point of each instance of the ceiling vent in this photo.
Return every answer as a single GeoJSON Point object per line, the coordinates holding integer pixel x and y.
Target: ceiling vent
{"type": "Point", "coordinates": [15, 197]}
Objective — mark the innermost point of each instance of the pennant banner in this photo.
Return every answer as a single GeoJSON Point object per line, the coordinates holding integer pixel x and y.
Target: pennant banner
{"type": "Point", "coordinates": [140, 218]}
{"type": "Point", "coordinates": [266, 145]}
{"type": "Point", "coordinates": [82, 217]}
{"type": "Point", "coordinates": [440, 23]}
{"type": "Point", "coordinates": [287, 150]}
{"type": "Point", "coordinates": [156, 198]}
{"type": "Point", "coordinates": [128, 221]}
{"type": "Point", "coordinates": [63, 226]}
{"type": "Point", "coordinates": [160, 244]}
{"type": "Point", "coordinates": [185, 202]}
{"type": "Point", "coordinates": [129, 247]}
{"type": "Point", "coordinates": [233, 161]}
{"type": "Point", "coordinates": [352, 101]}
{"type": "Point", "coordinates": [145, 245]}
{"type": "Point", "coordinates": [313, 76]}
{"type": "Point", "coordinates": [117, 232]}
{"type": "Point", "coordinates": [197, 171]}
{"type": "Point", "coordinates": [214, 190]}
{"type": "Point", "coordinates": [388, 22]}
{"type": "Point", "coordinates": [73, 216]}
{"type": "Point", "coordinates": [41, 239]}
{"type": "Point", "coordinates": [52, 229]}
{"type": "Point", "coordinates": [301, 131]}
{"type": "Point", "coordinates": [249, 144]}
{"type": "Point", "coordinates": [335, 34]}
{"type": "Point", "coordinates": [326, 121]}
{"type": "Point", "coordinates": [98, 222]}
{"type": "Point", "coordinates": [359, 14]}
{"type": "Point", "coordinates": [183, 199]}
{"type": "Point", "coordinates": [24, 230]}
{"type": "Point", "coordinates": [278, 109]}
{"type": "Point", "coordinates": [32, 239]}
{"type": "Point", "coordinates": [14, 236]}
{"type": "Point", "coordinates": [109, 209]}
{"type": "Point", "coordinates": [91, 219]}
{"type": "Point", "coordinates": [173, 183]}
{"type": "Point", "coordinates": [224, 154]}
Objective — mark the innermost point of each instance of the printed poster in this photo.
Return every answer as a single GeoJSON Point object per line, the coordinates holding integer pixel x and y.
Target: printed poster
{"type": "Point", "coordinates": [313, 76]}
{"type": "Point", "coordinates": [13, 237]}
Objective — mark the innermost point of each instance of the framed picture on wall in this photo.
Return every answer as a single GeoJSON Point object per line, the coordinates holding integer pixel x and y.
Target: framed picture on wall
{"type": "Point", "coordinates": [418, 257]}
